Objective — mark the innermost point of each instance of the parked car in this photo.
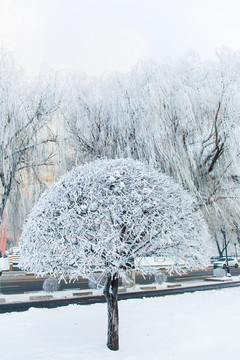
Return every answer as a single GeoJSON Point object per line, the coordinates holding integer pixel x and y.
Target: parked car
{"type": "Point", "coordinates": [222, 262]}
{"type": "Point", "coordinates": [13, 256]}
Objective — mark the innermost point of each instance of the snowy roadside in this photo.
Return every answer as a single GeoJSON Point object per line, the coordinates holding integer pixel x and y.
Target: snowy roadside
{"type": "Point", "coordinates": [74, 293]}
{"type": "Point", "coordinates": [181, 327]}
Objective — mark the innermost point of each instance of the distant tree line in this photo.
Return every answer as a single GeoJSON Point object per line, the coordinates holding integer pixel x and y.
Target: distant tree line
{"type": "Point", "coordinates": [182, 118]}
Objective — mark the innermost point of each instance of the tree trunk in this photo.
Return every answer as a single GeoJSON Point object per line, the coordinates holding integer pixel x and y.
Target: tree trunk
{"type": "Point", "coordinates": [111, 295]}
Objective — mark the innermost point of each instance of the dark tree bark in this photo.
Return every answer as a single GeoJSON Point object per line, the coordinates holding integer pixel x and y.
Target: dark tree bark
{"type": "Point", "coordinates": [223, 248]}
{"type": "Point", "coordinates": [111, 295]}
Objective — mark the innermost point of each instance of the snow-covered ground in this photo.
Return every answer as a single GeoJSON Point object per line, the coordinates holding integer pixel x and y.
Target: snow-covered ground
{"type": "Point", "coordinates": [196, 326]}
{"type": "Point", "coordinates": [74, 293]}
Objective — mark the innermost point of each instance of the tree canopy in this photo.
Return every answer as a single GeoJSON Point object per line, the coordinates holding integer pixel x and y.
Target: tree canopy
{"type": "Point", "coordinates": [182, 118]}
{"type": "Point", "coordinates": [26, 136]}
{"type": "Point", "coordinates": [108, 213]}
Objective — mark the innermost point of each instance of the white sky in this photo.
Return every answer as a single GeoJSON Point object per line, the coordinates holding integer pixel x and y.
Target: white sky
{"type": "Point", "coordinates": [98, 35]}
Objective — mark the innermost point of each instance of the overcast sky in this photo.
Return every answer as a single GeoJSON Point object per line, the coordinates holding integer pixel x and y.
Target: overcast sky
{"type": "Point", "coordinates": [94, 36]}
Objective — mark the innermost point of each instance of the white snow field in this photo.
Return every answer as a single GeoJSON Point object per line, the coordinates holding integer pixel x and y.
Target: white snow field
{"type": "Point", "coordinates": [197, 326]}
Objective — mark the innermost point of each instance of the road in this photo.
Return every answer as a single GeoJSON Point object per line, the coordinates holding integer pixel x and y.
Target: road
{"type": "Point", "coordinates": [19, 283]}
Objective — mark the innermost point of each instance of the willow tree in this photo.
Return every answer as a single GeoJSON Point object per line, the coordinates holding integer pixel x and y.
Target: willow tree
{"type": "Point", "coordinates": [182, 118]}
{"type": "Point", "coordinates": [26, 111]}
{"type": "Point", "coordinates": [110, 214]}
{"type": "Point", "coordinates": [202, 147]}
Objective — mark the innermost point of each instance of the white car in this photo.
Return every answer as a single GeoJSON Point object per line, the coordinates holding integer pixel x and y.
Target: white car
{"type": "Point", "coordinates": [13, 256]}
{"type": "Point", "coordinates": [222, 262]}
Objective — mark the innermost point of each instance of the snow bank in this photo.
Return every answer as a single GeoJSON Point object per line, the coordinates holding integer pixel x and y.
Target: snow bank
{"type": "Point", "coordinates": [182, 327]}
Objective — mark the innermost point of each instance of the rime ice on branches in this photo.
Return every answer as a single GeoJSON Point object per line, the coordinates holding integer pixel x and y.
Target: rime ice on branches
{"type": "Point", "coordinates": [109, 214]}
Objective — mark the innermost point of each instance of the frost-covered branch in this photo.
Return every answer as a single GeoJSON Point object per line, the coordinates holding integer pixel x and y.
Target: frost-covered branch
{"type": "Point", "coordinates": [108, 213]}
{"type": "Point", "coordinates": [26, 132]}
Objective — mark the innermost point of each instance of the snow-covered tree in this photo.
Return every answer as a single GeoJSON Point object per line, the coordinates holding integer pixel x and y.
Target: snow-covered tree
{"type": "Point", "coordinates": [183, 118]}
{"type": "Point", "coordinates": [26, 110]}
{"type": "Point", "coordinates": [202, 147]}
{"type": "Point", "coordinates": [111, 117]}
{"type": "Point", "coordinates": [110, 214]}
{"type": "Point", "coordinates": [51, 285]}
